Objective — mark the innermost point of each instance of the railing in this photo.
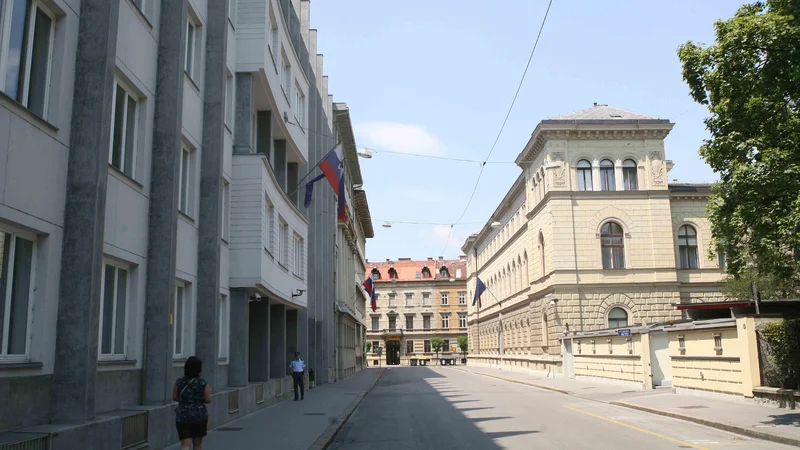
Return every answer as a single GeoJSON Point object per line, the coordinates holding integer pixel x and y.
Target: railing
{"type": "Point", "coordinates": [27, 443]}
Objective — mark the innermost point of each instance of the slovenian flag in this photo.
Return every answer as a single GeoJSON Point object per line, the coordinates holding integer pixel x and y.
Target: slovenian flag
{"type": "Point", "coordinates": [479, 288]}
{"type": "Point", "coordinates": [369, 286]}
{"type": "Point", "coordinates": [332, 168]}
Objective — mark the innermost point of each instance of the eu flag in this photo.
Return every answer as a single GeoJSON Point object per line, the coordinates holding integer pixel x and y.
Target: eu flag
{"type": "Point", "coordinates": [479, 288]}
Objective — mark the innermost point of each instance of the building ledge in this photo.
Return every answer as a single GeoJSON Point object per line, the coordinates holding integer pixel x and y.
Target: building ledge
{"type": "Point", "coordinates": [21, 365]}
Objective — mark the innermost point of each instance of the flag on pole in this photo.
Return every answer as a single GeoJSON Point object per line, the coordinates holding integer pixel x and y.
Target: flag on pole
{"type": "Point", "coordinates": [332, 168]}
{"type": "Point", "coordinates": [479, 288]}
{"type": "Point", "coordinates": [369, 286]}
{"type": "Point", "coordinates": [310, 190]}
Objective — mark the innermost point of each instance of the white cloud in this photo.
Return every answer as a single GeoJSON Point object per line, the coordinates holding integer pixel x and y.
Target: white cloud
{"type": "Point", "coordinates": [422, 195]}
{"type": "Point", "coordinates": [398, 137]}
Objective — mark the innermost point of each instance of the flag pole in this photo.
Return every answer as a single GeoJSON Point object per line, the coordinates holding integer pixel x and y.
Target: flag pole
{"type": "Point", "coordinates": [299, 183]}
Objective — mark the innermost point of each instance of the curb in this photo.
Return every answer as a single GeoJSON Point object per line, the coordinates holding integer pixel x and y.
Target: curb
{"type": "Point", "coordinates": [327, 437]}
{"type": "Point", "coordinates": [527, 383]}
{"type": "Point", "coordinates": [718, 425]}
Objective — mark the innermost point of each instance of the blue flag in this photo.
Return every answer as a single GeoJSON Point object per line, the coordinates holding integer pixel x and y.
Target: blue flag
{"type": "Point", "coordinates": [479, 288]}
{"type": "Point", "coordinates": [310, 189]}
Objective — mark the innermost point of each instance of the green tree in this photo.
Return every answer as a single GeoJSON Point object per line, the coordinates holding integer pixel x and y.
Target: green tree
{"type": "Point", "coordinates": [750, 81]}
{"type": "Point", "coordinates": [437, 344]}
{"type": "Point", "coordinates": [368, 346]}
{"type": "Point", "coordinates": [462, 344]}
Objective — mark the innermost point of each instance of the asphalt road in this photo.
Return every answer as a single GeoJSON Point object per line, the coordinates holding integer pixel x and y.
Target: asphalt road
{"type": "Point", "coordinates": [446, 408]}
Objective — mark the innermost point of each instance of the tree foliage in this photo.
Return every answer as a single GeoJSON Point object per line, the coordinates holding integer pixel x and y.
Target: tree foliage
{"type": "Point", "coordinates": [437, 344]}
{"type": "Point", "coordinates": [783, 340]}
{"type": "Point", "coordinates": [368, 346]}
{"type": "Point", "coordinates": [750, 81]}
{"type": "Point", "coordinates": [462, 343]}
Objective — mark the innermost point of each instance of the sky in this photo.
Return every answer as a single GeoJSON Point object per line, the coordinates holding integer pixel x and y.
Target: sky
{"type": "Point", "coordinates": [437, 78]}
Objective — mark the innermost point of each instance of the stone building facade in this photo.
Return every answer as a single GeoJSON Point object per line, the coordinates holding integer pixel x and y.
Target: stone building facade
{"type": "Point", "coordinates": [590, 236]}
{"type": "Point", "coordinates": [417, 301]}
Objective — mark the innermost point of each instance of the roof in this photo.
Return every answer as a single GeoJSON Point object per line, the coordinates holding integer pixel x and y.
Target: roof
{"type": "Point", "coordinates": [348, 140]}
{"type": "Point", "coordinates": [603, 112]}
{"type": "Point", "coordinates": [407, 269]}
{"type": "Point", "coordinates": [362, 213]}
{"type": "Point", "coordinates": [702, 188]}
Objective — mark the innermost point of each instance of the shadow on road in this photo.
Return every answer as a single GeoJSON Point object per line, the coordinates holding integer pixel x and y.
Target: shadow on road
{"type": "Point", "coordinates": [415, 407]}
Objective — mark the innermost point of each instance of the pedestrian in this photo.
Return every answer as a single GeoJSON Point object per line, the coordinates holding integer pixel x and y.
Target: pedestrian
{"type": "Point", "coordinates": [298, 368]}
{"type": "Point", "coordinates": [192, 394]}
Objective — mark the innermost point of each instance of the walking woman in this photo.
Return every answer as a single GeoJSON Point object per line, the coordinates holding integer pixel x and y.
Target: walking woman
{"type": "Point", "coordinates": [192, 394]}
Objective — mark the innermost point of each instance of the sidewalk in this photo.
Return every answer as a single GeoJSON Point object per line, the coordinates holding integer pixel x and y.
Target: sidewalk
{"type": "Point", "coordinates": [307, 424]}
{"type": "Point", "coordinates": [761, 422]}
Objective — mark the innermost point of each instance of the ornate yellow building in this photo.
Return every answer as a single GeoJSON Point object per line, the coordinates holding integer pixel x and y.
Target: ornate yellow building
{"type": "Point", "coordinates": [590, 236]}
{"type": "Point", "coordinates": [417, 301]}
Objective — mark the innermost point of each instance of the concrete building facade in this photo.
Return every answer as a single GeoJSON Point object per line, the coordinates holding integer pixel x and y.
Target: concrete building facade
{"type": "Point", "coordinates": [417, 301]}
{"type": "Point", "coordinates": [590, 236]}
{"type": "Point", "coordinates": [150, 157]}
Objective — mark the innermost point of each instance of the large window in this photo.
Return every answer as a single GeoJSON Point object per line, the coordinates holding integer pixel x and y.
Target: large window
{"type": "Point", "coordinates": [445, 297]}
{"type": "Point", "coordinates": [462, 320]}
{"type": "Point", "coordinates": [274, 44]}
{"type": "Point", "coordinates": [409, 299]}
{"type": "Point", "coordinates": [122, 153]}
{"type": "Point", "coordinates": [286, 76]}
{"type": "Point", "coordinates": [230, 100]}
{"type": "Point", "coordinates": [426, 299]}
{"type": "Point", "coordinates": [375, 323]}
{"type": "Point", "coordinates": [392, 300]}
{"type": "Point", "coordinates": [613, 246]}
{"type": "Point", "coordinates": [426, 322]}
{"type": "Point", "coordinates": [607, 182]}
{"type": "Point", "coordinates": [269, 229]}
{"type": "Point", "coordinates": [186, 181]}
{"type": "Point", "coordinates": [192, 47]}
{"type": "Point", "coordinates": [409, 347]}
{"type": "Point", "coordinates": [226, 210]}
{"type": "Point", "coordinates": [446, 321]}
{"type": "Point", "coordinates": [427, 346]}
{"type": "Point", "coordinates": [617, 318]}
{"type": "Point", "coordinates": [224, 327]}
{"type": "Point", "coordinates": [26, 52]}
{"type": "Point", "coordinates": [687, 246]}
{"type": "Point", "coordinates": [299, 106]}
{"type": "Point", "coordinates": [180, 315]}
{"type": "Point", "coordinates": [283, 242]}
{"type": "Point", "coordinates": [462, 298]}
{"type": "Point", "coordinates": [584, 175]}
{"type": "Point", "coordinates": [629, 175]}
{"type": "Point", "coordinates": [113, 311]}
{"type": "Point", "coordinates": [16, 270]}
{"type": "Point", "coordinates": [298, 256]}
{"type": "Point", "coordinates": [409, 323]}
{"type": "Point", "coordinates": [392, 323]}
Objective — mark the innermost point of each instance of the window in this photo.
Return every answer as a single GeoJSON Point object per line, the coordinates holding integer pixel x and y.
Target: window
{"type": "Point", "coordinates": [26, 53]}
{"type": "Point", "coordinates": [426, 299]}
{"type": "Point", "coordinates": [224, 327]}
{"type": "Point", "coordinates": [444, 273]}
{"type": "Point", "coordinates": [462, 298]}
{"type": "Point", "coordinates": [226, 210]}
{"type": "Point", "coordinates": [612, 245]}
{"type": "Point", "coordinates": [181, 328]}
{"type": "Point", "coordinates": [376, 274]}
{"type": "Point", "coordinates": [427, 346]}
{"type": "Point", "coordinates": [629, 175]}
{"type": "Point", "coordinates": [541, 252]}
{"type": "Point", "coordinates": [269, 229]}
{"type": "Point", "coordinates": [281, 244]}
{"type": "Point", "coordinates": [375, 346]}
{"type": "Point", "coordinates": [375, 325]}
{"type": "Point", "coordinates": [392, 323]}
{"type": "Point", "coordinates": [16, 271]}
{"type": "Point", "coordinates": [687, 247]}
{"type": "Point", "coordinates": [584, 175]}
{"type": "Point", "coordinates": [445, 296]}
{"type": "Point", "coordinates": [607, 182]}
{"type": "Point", "coordinates": [446, 345]}
{"type": "Point", "coordinates": [392, 300]}
{"type": "Point", "coordinates": [409, 347]}
{"type": "Point", "coordinates": [298, 256]}
{"type": "Point", "coordinates": [299, 106]}
{"type": "Point", "coordinates": [426, 322]}
{"type": "Point", "coordinates": [426, 272]}
{"type": "Point", "coordinates": [230, 99]}
{"type": "Point", "coordinates": [409, 323]}
{"type": "Point", "coordinates": [140, 4]}
{"type": "Point", "coordinates": [617, 318]}
{"type": "Point", "coordinates": [445, 321]}
{"type": "Point", "coordinates": [122, 153]}
{"type": "Point", "coordinates": [409, 299]}
{"type": "Point", "coordinates": [286, 76]}
{"type": "Point", "coordinates": [186, 182]}
{"type": "Point", "coordinates": [418, 275]}
{"type": "Point", "coordinates": [681, 344]}
{"type": "Point", "coordinates": [113, 311]}
{"type": "Point", "coordinates": [192, 39]}
{"type": "Point", "coordinates": [462, 321]}
{"type": "Point", "coordinates": [392, 273]}
{"type": "Point", "coordinates": [721, 260]}
{"type": "Point", "coordinates": [273, 36]}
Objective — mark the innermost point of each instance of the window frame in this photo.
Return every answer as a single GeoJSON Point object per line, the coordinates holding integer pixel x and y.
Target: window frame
{"type": "Point", "coordinates": [392, 323]}
{"type": "Point", "coordinates": [186, 180]}
{"type": "Point", "coordinates": [446, 321]}
{"type": "Point", "coordinates": [223, 343]}
{"type": "Point", "coordinates": [129, 95]}
{"type": "Point", "coordinates": [617, 320]}
{"type": "Point", "coordinates": [582, 172]}
{"type": "Point", "coordinates": [426, 322]}
{"type": "Point", "coordinates": [14, 234]}
{"type": "Point", "coordinates": [462, 318]}
{"type": "Point", "coordinates": [232, 9]}
{"type": "Point", "coordinates": [183, 287]}
{"type": "Point", "coordinates": [426, 346]}
{"type": "Point", "coordinates": [426, 299]}
{"type": "Point", "coordinates": [297, 242]}
{"type": "Point", "coordinates": [409, 347]}
{"type": "Point", "coordinates": [376, 323]}
{"type": "Point", "coordinates": [630, 172]}
{"type": "Point", "coordinates": [392, 300]}
{"type": "Point", "coordinates": [26, 53]}
{"type": "Point", "coordinates": [230, 99]}
{"type": "Point", "coordinates": [685, 248]}
{"type": "Point", "coordinates": [445, 298]}
{"type": "Point", "coordinates": [286, 75]}
{"type": "Point", "coordinates": [269, 229]}
{"type": "Point", "coordinates": [462, 298]}
{"type": "Point", "coordinates": [608, 181]}
{"type": "Point", "coordinates": [409, 299]}
{"type": "Point", "coordinates": [299, 105]}
{"type": "Point", "coordinates": [117, 268]}
{"type": "Point", "coordinates": [409, 323]}
{"type": "Point", "coordinates": [225, 231]}
{"type": "Point", "coordinates": [190, 65]}
{"type": "Point", "coordinates": [604, 247]}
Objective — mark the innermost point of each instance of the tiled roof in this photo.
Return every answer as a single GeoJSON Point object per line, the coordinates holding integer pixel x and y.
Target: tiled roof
{"type": "Point", "coordinates": [603, 112]}
{"type": "Point", "coordinates": [407, 269]}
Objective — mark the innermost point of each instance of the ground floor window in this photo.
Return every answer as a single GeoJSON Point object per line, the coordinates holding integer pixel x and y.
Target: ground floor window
{"type": "Point", "coordinates": [409, 347]}
{"type": "Point", "coordinates": [427, 346]}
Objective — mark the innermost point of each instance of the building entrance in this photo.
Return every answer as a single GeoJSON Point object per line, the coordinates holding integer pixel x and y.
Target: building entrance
{"type": "Point", "coordinates": [392, 353]}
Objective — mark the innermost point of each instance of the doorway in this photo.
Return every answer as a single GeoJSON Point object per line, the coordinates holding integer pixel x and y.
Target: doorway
{"type": "Point", "coordinates": [392, 353]}
{"type": "Point", "coordinates": [659, 359]}
{"type": "Point", "coordinates": [569, 365]}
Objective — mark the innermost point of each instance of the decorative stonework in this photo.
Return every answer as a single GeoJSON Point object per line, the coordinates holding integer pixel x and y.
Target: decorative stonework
{"type": "Point", "coordinates": [657, 168]}
{"type": "Point", "coordinates": [597, 135]}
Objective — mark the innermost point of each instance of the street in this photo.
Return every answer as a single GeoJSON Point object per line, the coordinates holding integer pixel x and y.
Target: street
{"type": "Point", "coordinates": [446, 407]}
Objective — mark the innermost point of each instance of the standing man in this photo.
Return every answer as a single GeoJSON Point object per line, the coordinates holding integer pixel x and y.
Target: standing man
{"type": "Point", "coordinates": [298, 367]}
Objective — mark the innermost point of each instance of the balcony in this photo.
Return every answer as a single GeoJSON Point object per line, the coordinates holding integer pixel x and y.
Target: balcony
{"type": "Point", "coordinates": [268, 234]}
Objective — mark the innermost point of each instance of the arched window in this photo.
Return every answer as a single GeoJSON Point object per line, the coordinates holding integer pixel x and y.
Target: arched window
{"type": "Point", "coordinates": [617, 318]}
{"type": "Point", "coordinates": [630, 175]}
{"type": "Point", "coordinates": [376, 274]}
{"type": "Point", "coordinates": [687, 246]}
{"type": "Point", "coordinates": [541, 250]}
{"type": "Point", "coordinates": [612, 246]}
{"type": "Point", "coordinates": [584, 175]}
{"type": "Point", "coordinates": [607, 182]}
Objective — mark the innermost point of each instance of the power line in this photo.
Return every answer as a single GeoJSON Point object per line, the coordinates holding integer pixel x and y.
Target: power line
{"type": "Point", "coordinates": [503, 126]}
{"type": "Point", "coordinates": [405, 222]}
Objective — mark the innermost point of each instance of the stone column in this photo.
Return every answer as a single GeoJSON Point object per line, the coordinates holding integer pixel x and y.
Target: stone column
{"type": "Point", "coordinates": [264, 134]}
{"type": "Point", "coordinates": [279, 162]}
{"type": "Point", "coordinates": [259, 340]}
{"type": "Point", "coordinates": [210, 216]}
{"type": "Point", "coordinates": [243, 126]}
{"type": "Point", "coordinates": [75, 370]}
{"type": "Point", "coordinates": [163, 226]}
{"type": "Point", "coordinates": [240, 324]}
{"type": "Point", "coordinates": [279, 363]}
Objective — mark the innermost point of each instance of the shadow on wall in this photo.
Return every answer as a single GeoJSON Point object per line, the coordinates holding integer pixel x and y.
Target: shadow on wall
{"type": "Point", "coordinates": [414, 406]}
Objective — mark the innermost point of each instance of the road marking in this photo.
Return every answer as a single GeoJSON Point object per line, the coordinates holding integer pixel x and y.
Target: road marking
{"type": "Point", "coordinates": [677, 441]}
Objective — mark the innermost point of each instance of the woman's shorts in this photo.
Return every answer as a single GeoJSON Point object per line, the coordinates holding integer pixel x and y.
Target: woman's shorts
{"type": "Point", "coordinates": [192, 430]}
